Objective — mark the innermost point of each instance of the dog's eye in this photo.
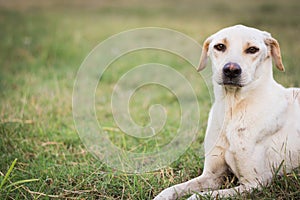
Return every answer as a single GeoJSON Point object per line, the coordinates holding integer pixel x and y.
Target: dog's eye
{"type": "Point", "coordinates": [252, 50]}
{"type": "Point", "coordinates": [220, 47]}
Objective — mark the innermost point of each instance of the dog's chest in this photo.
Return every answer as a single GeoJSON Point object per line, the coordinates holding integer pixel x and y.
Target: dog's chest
{"type": "Point", "coordinates": [236, 122]}
{"type": "Point", "coordinates": [237, 131]}
{"type": "Point", "coordinates": [238, 149]}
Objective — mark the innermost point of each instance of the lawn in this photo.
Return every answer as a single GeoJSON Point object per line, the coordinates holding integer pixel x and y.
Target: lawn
{"type": "Point", "coordinates": [42, 46]}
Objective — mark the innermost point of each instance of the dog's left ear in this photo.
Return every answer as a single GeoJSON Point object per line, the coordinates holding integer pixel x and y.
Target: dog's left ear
{"type": "Point", "coordinates": [204, 54]}
{"type": "Point", "coordinates": [275, 52]}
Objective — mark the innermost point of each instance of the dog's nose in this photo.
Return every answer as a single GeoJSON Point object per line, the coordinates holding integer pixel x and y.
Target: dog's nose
{"type": "Point", "coordinates": [232, 70]}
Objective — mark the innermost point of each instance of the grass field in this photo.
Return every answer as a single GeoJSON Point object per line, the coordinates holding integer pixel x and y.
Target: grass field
{"type": "Point", "coordinates": [42, 45]}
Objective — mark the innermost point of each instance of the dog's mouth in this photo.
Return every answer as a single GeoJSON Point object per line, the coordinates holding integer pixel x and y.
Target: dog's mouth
{"type": "Point", "coordinates": [232, 83]}
{"type": "Point", "coordinates": [236, 82]}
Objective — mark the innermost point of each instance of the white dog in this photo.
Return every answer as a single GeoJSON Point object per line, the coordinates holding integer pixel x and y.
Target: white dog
{"type": "Point", "coordinates": [253, 126]}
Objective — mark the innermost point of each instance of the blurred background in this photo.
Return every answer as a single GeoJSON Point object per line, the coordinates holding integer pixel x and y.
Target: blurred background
{"type": "Point", "coordinates": [42, 45]}
{"type": "Point", "coordinates": [63, 32]}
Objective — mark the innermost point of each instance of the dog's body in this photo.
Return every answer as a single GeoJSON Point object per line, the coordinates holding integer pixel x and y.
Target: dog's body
{"type": "Point", "coordinates": [253, 127]}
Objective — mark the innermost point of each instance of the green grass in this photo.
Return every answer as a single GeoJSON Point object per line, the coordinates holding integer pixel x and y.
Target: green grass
{"type": "Point", "coordinates": [41, 48]}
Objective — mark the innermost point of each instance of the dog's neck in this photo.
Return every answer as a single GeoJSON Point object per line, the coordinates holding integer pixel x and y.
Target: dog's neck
{"type": "Point", "coordinates": [233, 95]}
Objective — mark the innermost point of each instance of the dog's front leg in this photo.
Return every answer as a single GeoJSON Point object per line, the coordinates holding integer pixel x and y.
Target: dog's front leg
{"type": "Point", "coordinates": [196, 185]}
{"type": "Point", "coordinates": [185, 188]}
{"type": "Point", "coordinates": [214, 165]}
{"type": "Point", "coordinates": [214, 169]}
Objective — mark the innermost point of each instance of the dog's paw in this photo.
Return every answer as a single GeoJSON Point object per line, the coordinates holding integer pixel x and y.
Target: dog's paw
{"type": "Point", "coordinates": [167, 194]}
{"type": "Point", "coordinates": [195, 197]}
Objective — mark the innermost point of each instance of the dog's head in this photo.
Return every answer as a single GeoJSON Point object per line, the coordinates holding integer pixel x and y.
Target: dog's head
{"type": "Point", "coordinates": [237, 53]}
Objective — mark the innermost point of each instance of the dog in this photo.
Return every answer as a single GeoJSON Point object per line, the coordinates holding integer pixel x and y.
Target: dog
{"type": "Point", "coordinates": [253, 126]}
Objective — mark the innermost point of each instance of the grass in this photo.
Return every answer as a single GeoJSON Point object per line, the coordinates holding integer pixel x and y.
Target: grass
{"type": "Point", "coordinates": [42, 45]}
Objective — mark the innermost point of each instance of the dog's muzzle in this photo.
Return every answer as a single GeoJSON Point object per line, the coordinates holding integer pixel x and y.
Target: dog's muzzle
{"type": "Point", "coordinates": [232, 74]}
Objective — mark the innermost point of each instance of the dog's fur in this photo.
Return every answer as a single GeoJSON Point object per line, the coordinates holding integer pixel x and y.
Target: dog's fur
{"type": "Point", "coordinates": [253, 126]}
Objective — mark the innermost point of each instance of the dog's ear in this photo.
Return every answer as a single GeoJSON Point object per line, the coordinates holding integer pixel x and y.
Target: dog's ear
{"type": "Point", "coordinates": [204, 54]}
{"type": "Point", "coordinates": [275, 52]}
